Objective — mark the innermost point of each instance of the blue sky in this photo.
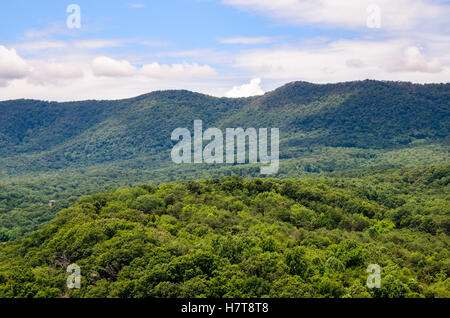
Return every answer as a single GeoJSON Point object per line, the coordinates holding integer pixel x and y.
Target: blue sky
{"type": "Point", "coordinates": [223, 48]}
{"type": "Point", "coordinates": [185, 23]}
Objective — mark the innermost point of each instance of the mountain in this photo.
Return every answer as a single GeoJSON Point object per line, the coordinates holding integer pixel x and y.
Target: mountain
{"type": "Point", "coordinates": [47, 136]}
{"type": "Point", "coordinates": [59, 151]}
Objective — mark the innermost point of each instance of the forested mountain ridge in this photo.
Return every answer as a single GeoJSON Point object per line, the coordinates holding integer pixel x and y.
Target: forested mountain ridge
{"type": "Point", "coordinates": [46, 136]}
{"type": "Point", "coordinates": [60, 151]}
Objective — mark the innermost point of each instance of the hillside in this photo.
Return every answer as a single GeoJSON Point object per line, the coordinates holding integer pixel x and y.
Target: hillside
{"type": "Point", "coordinates": [231, 237]}
{"type": "Point", "coordinates": [59, 151]}
{"type": "Point", "coordinates": [42, 136]}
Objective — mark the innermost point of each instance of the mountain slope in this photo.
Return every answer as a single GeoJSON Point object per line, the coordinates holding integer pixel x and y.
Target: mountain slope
{"type": "Point", "coordinates": [40, 136]}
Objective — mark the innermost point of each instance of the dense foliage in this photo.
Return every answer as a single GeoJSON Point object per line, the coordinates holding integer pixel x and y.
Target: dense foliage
{"type": "Point", "coordinates": [24, 200]}
{"type": "Point", "coordinates": [235, 237]}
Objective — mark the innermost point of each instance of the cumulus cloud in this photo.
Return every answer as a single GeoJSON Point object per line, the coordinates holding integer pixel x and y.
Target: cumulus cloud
{"type": "Point", "coordinates": [413, 61]}
{"type": "Point", "coordinates": [246, 40]}
{"type": "Point", "coordinates": [106, 66]}
{"type": "Point", "coordinates": [12, 66]}
{"type": "Point", "coordinates": [246, 90]}
{"type": "Point", "coordinates": [185, 70]}
{"type": "Point", "coordinates": [83, 76]}
{"type": "Point", "coordinates": [109, 67]}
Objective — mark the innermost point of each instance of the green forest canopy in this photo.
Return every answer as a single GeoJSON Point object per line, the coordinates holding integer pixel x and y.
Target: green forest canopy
{"type": "Point", "coordinates": [235, 237]}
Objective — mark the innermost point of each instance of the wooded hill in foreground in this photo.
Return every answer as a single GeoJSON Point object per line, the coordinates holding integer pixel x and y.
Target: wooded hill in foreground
{"type": "Point", "coordinates": [234, 237]}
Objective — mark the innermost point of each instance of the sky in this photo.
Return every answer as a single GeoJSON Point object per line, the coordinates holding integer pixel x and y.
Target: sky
{"type": "Point", "coordinates": [83, 49]}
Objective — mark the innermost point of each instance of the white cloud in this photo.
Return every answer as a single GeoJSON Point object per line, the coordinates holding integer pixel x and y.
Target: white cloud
{"type": "Point", "coordinates": [246, 40]}
{"type": "Point", "coordinates": [75, 73]}
{"type": "Point", "coordinates": [93, 87]}
{"type": "Point", "coordinates": [44, 72]}
{"type": "Point", "coordinates": [246, 90]}
{"type": "Point", "coordinates": [413, 61]}
{"type": "Point", "coordinates": [40, 45]}
{"type": "Point", "coordinates": [356, 63]}
{"type": "Point", "coordinates": [12, 66]}
{"type": "Point", "coordinates": [76, 76]}
{"type": "Point", "coordinates": [348, 60]}
{"type": "Point", "coordinates": [106, 66]}
{"type": "Point", "coordinates": [58, 28]}
{"type": "Point", "coordinates": [97, 43]}
{"type": "Point", "coordinates": [80, 45]}
{"type": "Point", "coordinates": [209, 56]}
{"type": "Point", "coordinates": [136, 5]}
{"type": "Point", "coordinates": [398, 14]}
{"type": "Point", "coordinates": [174, 71]}
{"type": "Point", "coordinates": [83, 76]}
{"type": "Point", "coordinates": [155, 43]}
